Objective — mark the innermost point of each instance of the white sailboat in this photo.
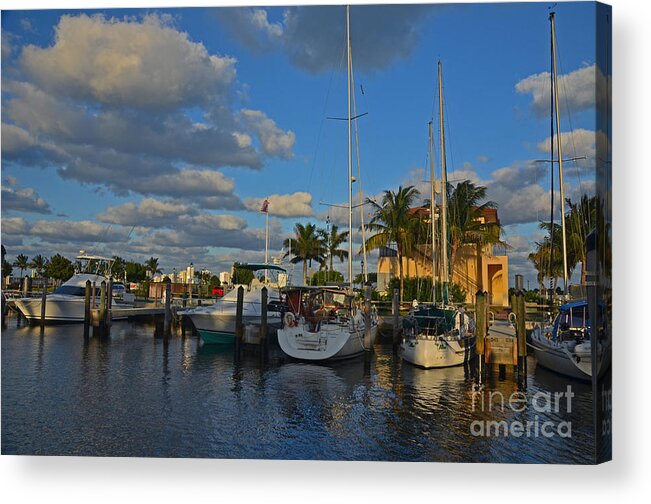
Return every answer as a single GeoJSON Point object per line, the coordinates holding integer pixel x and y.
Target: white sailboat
{"type": "Point", "coordinates": [438, 336]}
{"type": "Point", "coordinates": [67, 303]}
{"type": "Point", "coordinates": [564, 346]}
{"type": "Point", "coordinates": [324, 323]}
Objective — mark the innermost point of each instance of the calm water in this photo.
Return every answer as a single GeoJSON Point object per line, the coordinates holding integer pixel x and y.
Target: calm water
{"type": "Point", "coordinates": [136, 395]}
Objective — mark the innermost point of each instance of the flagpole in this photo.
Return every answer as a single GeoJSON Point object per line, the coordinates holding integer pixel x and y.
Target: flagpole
{"type": "Point", "coordinates": [266, 237]}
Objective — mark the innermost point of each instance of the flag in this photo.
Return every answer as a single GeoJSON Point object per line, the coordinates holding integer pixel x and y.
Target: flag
{"type": "Point", "coordinates": [265, 206]}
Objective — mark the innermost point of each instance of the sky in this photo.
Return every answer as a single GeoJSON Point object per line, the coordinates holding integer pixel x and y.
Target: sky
{"type": "Point", "coordinates": [159, 132]}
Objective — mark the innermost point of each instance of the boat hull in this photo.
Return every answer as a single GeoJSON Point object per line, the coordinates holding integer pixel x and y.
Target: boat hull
{"type": "Point", "coordinates": [331, 342]}
{"type": "Point", "coordinates": [560, 361]}
{"type": "Point", "coordinates": [437, 352]}
{"type": "Point", "coordinates": [57, 310]}
{"type": "Point", "coordinates": [219, 329]}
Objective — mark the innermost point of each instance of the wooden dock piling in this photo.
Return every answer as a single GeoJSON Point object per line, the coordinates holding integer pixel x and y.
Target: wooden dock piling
{"type": "Point", "coordinates": [395, 311]}
{"type": "Point", "coordinates": [367, 318]}
{"type": "Point", "coordinates": [102, 307]}
{"type": "Point", "coordinates": [43, 301]}
{"type": "Point", "coordinates": [168, 307]}
{"type": "Point", "coordinates": [263, 325]}
{"type": "Point", "coordinates": [27, 286]}
{"type": "Point", "coordinates": [239, 326]}
{"type": "Point", "coordinates": [109, 293]}
{"type": "Point", "coordinates": [87, 309]}
{"type": "Point", "coordinates": [521, 334]}
{"type": "Point", "coordinates": [480, 328]}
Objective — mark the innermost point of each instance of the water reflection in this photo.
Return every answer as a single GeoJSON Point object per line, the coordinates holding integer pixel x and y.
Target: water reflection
{"type": "Point", "coordinates": [132, 394]}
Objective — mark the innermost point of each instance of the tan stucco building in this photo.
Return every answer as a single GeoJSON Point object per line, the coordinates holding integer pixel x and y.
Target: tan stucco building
{"type": "Point", "coordinates": [494, 269]}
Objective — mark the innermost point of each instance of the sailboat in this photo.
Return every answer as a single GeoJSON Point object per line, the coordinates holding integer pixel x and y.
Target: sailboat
{"type": "Point", "coordinates": [438, 336]}
{"type": "Point", "coordinates": [564, 346]}
{"type": "Point", "coordinates": [325, 323]}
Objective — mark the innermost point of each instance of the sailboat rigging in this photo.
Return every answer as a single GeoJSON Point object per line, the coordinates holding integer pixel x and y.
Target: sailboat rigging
{"type": "Point", "coordinates": [325, 323]}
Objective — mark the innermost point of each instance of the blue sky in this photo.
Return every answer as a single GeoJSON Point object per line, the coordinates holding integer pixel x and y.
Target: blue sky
{"type": "Point", "coordinates": [180, 121]}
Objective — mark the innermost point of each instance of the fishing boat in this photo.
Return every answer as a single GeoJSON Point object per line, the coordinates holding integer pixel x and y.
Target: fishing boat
{"type": "Point", "coordinates": [326, 323]}
{"type": "Point", "coordinates": [438, 336]}
{"type": "Point", "coordinates": [215, 323]}
{"type": "Point", "coordinates": [67, 303]}
{"type": "Point", "coordinates": [564, 346]}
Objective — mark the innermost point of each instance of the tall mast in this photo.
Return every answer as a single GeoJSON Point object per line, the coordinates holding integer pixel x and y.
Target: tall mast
{"type": "Point", "coordinates": [559, 149]}
{"type": "Point", "coordinates": [444, 194]}
{"type": "Point", "coordinates": [432, 209]}
{"type": "Point", "coordinates": [350, 161]}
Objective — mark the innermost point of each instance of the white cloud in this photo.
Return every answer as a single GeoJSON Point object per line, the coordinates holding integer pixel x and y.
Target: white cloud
{"type": "Point", "coordinates": [14, 226]}
{"type": "Point", "coordinates": [113, 102]}
{"type": "Point", "coordinates": [149, 213]}
{"type": "Point", "coordinates": [83, 232]}
{"type": "Point", "coordinates": [7, 45]}
{"type": "Point", "coordinates": [24, 200]}
{"type": "Point", "coordinates": [15, 139]}
{"type": "Point", "coordinates": [274, 141]}
{"type": "Point", "coordinates": [189, 182]}
{"type": "Point", "coordinates": [313, 37]}
{"type": "Point", "coordinates": [144, 64]}
{"type": "Point", "coordinates": [577, 90]}
{"type": "Point", "coordinates": [298, 204]}
{"type": "Point", "coordinates": [576, 144]}
{"type": "Point", "coordinates": [208, 223]}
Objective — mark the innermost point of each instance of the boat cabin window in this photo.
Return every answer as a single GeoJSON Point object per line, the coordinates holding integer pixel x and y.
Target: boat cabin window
{"type": "Point", "coordinates": [73, 290]}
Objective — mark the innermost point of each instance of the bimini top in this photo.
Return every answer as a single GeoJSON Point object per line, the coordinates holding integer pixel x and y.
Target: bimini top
{"type": "Point", "coordinates": [258, 267]}
{"type": "Point", "coordinates": [579, 303]}
{"type": "Point", "coordinates": [321, 288]}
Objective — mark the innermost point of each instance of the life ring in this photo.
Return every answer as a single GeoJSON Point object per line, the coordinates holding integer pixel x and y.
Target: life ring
{"type": "Point", "coordinates": [290, 320]}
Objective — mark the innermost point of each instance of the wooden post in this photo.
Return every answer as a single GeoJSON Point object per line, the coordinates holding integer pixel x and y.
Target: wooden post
{"type": "Point", "coordinates": [239, 327]}
{"type": "Point", "coordinates": [110, 294]}
{"type": "Point", "coordinates": [102, 306]}
{"type": "Point", "coordinates": [395, 310]}
{"type": "Point", "coordinates": [263, 325]}
{"type": "Point", "coordinates": [368, 344]}
{"type": "Point", "coordinates": [92, 296]}
{"type": "Point", "coordinates": [521, 332]}
{"type": "Point", "coordinates": [27, 286]}
{"type": "Point", "coordinates": [87, 309]}
{"type": "Point", "coordinates": [168, 307]}
{"type": "Point", "coordinates": [43, 301]}
{"type": "Point", "coordinates": [480, 327]}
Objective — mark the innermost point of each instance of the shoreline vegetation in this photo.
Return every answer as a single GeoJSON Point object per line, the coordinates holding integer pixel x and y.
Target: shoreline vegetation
{"type": "Point", "coordinates": [400, 220]}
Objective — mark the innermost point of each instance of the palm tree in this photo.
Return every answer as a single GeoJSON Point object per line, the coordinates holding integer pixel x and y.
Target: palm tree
{"type": "Point", "coordinates": [22, 263]}
{"type": "Point", "coordinates": [38, 264]}
{"type": "Point", "coordinates": [467, 225]}
{"type": "Point", "coordinates": [151, 265]}
{"type": "Point", "coordinates": [332, 242]}
{"type": "Point", "coordinates": [393, 223]}
{"type": "Point", "coordinates": [540, 260]}
{"type": "Point", "coordinates": [547, 264]}
{"type": "Point", "coordinates": [119, 268]}
{"type": "Point", "coordinates": [306, 246]}
{"type": "Point", "coordinates": [580, 220]}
